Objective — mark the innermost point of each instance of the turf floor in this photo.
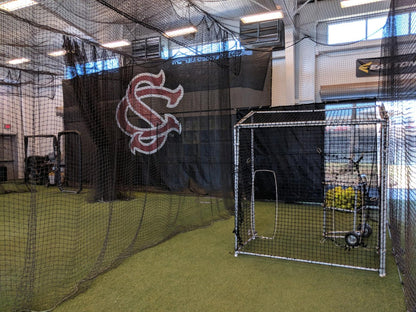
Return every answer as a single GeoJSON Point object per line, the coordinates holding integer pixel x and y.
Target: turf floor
{"type": "Point", "coordinates": [295, 231]}
{"type": "Point", "coordinates": [53, 243]}
{"type": "Point", "coordinates": [197, 271]}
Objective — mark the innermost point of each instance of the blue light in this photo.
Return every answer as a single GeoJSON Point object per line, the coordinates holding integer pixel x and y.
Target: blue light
{"type": "Point", "coordinates": [91, 68]}
{"type": "Point", "coordinates": [208, 48]}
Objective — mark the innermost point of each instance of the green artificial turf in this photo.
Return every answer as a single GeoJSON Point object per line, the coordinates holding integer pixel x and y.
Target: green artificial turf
{"type": "Point", "coordinates": [197, 271]}
{"type": "Point", "coordinates": [52, 243]}
{"type": "Point", "coordinates": [75, 239]}
{"type": "Point", "coordinates": [297, 232]}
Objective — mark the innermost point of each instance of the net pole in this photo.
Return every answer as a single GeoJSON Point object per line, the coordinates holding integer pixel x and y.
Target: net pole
{"type": "Point", "coordinates": [253, 176]}
{"type": "Point", "coordinates": [236, 194]}
{"type": "Point", "coordinates": [383, 204]}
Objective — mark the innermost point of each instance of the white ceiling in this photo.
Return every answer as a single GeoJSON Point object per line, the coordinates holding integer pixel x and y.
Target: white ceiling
{"type": "Point", "coordinates": [40, 28]}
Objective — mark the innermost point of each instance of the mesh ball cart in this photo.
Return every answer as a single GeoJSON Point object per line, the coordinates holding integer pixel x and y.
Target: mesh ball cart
{"type": "Point", "coordinates": [310, 185]}
{"type": "Point", "coordinates": [351, 198]}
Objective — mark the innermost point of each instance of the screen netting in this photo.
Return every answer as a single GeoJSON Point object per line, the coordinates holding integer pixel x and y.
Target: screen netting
{"type": "Point", "coordinates": [398, 88]}
{"type": "Point", "coordinates": [309, 186]}
{"type": "Point", "coordinates": [106, 155]}
{"type": "Point", "coordinates": [106, 151]}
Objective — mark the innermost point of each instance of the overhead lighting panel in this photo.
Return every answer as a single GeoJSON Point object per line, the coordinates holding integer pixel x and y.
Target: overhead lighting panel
{"type": "Point", "coordinates": [18, 61]}
{"type": "Point", "coordinates": [181, 31]}
{"type": "Point", "coordinates": [351, 3]}
{"type": "Point", "coordinates": [268, 16]}
{"type": "Point", "coordinates": [14, 5]}
{"type": "Point", "coordinates": [57, 53]}
{"type": "Point", "coordinates": [116, 44]}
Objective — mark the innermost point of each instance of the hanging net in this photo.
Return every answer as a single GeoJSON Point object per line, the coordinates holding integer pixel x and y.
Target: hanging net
{"type": "Point", "coordinates": [397, 88]}
{"type": "Point", "coordinates": [106, 153]}
{"type": "Point", "coordinates": [107, 150]}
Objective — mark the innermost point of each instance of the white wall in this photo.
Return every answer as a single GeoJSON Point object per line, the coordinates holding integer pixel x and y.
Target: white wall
{"type": "Point", "coordinates": [30, 115]}
{"type": "Point", "coordinates": [315, 65]}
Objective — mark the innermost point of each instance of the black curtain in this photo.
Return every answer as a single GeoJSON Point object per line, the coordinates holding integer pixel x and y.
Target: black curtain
{"type": "Point", "coordinates": [196, 157]}
{"type": "Point", "coordinates": [291, 152]}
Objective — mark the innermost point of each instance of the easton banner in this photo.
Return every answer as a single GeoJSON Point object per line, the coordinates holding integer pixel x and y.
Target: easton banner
{"type": "Point", "coordinates": [378, 66]}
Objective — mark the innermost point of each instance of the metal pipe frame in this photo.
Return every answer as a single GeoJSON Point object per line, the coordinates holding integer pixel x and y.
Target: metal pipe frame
{"type": "Point", "coordinates": [309, 123]}
{"type": "Point", "coordinates": [307, 261]}
{"type": "Point", "coordinates": [381, 120]}
{"type": "Point", "coordinates": [236, 194]}
{"type": "Point", "coordinates": [383, 204]}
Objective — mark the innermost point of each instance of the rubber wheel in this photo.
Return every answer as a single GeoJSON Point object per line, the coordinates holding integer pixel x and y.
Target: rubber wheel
{"type": "Point", "coordinates": [352, 239]}
{"type": "Point", "coordinates": [367, 230]}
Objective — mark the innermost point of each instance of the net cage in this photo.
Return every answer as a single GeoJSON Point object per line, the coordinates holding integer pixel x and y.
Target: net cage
{"type": "Point", "coordinates": [398, 90]}
{"type": "Point", "coordinates": [74, 200]}
{"type": "Point", "coordinates": [79, 197]}
{"type": "Point", "coordinates": [310, 186]}
{"type": "Point", "coordinates": [89, 174]}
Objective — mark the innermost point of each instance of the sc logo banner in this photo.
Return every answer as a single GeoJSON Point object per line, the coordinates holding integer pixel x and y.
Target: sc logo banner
{"type": "Point", "coordinates": [148, 140]}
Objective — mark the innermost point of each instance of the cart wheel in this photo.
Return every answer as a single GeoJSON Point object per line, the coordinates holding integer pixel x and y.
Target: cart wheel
{"type": "Point", "coordinates": [367, 230]}
{"type": "Point", "coordinates": [352, 239]}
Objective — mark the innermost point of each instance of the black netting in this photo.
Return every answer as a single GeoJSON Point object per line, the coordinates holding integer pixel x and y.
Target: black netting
{"type": "Point", "coordinates": [310, 186]}
{"type": "Point", "coordinates": [398, 88]}
{"type": "Point", "coordinates": [105, 151]}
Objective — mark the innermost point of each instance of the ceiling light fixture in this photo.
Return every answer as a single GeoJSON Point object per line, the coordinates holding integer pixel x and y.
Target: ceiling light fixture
{"type": "Point", "coordinates": [14, 5]}
{"type": "Point", "coordinates": [351, 3]}
{"type": "Point", "coordinates": [57, 53]}
{"type": "Point", "coordinates": [116, 44]}
{"type": "Point", "coordinates": [18, 61]}
{"type": "Point", "coordinates": [181, 31]}
{"type": "Point", "coordinates": [262, 17]}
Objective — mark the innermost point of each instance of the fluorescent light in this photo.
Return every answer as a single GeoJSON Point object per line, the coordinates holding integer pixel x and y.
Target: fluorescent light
{"type": "Point", "coordinates": [18, 61]}
{"type": "Point", "coordinates": [181, 31]}
{"type": "Point", "coordinates": [116, 44]}
{"type": "Point", "coordinates": [57, 53]}
{"type": "Point", "coordinates": [14, 5]}
{"type": "Point", "coordinates": [351, 3]}
{"type": "Point", "coordinates": [262, 17]}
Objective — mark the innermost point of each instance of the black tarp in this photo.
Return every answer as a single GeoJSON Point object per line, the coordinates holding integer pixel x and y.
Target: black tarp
{"type": "Point", "coordinates": [196, 157]}
{"type": "Point", "coordinates": [291, 153]}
